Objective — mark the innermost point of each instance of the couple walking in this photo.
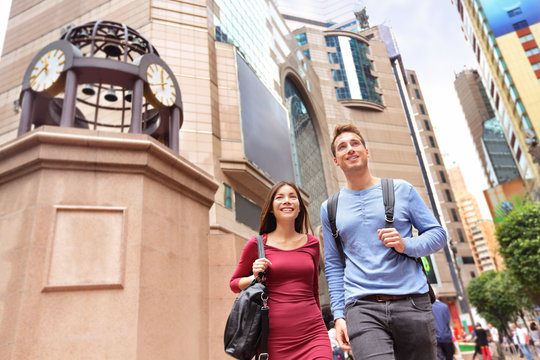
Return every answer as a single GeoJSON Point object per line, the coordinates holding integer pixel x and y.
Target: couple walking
{"type": "Point", "coordinates": [379, 297]}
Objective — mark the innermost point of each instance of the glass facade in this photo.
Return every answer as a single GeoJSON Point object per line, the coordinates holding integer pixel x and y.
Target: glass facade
{"type": "Point", "coordinates": [498, 152]}
{"type": "Point", "coordinates": [306, 151]}
{"type": "Point", "coordinates": [355, 69]}
{"type": "Point", "coordinates": [244, 23]}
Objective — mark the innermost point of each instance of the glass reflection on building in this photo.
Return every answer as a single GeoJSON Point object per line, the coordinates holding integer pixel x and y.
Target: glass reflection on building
{"type": "Point", "coordinates": [355, 69]}
{"type": "Point", "coordinates": [306, 151]}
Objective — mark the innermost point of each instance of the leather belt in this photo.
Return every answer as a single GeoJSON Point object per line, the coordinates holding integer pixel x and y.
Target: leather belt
{"type": "Point", "coordinates": [383, 297]}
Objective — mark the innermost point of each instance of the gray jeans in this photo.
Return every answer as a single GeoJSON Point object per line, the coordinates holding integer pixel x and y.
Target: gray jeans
{"type": "Point", "coordinates": [398, 329]}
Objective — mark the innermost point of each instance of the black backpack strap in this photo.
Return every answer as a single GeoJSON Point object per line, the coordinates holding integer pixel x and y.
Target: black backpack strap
{"type": "Point", "coordinates": [331, 209]}
{"type": "Point", "coordinates": [264, 309]}
{"type": "Point", "coordinates": [389, 201]}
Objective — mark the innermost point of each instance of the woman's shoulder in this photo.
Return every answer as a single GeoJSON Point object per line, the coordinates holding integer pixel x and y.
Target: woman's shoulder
{"type": "Point", "coordinates": [312, 240]}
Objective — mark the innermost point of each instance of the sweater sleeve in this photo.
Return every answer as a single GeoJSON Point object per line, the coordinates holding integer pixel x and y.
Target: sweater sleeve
{"type": "Point", "coordinates": [431, 235]}
{"type": "Point", "coordinates": [244, 267]}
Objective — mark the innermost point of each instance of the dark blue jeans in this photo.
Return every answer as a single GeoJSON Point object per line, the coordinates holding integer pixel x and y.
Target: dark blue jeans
{"type": "Point", "coordinates": [388, 330]}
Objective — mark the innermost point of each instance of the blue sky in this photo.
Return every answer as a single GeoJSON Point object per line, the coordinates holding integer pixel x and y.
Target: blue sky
{"type": "Point", "coordinates": [431, 43]}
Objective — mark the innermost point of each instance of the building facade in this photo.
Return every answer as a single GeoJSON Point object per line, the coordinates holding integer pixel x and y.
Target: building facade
{"type": "Point", "coordinates": [480, 232]}
{"type": "Point", "coordinates": [487, 133]}
{"type": "Point", "coordinates": [443, 191]}
{"type": "Point", "coordinates": [504, 41]}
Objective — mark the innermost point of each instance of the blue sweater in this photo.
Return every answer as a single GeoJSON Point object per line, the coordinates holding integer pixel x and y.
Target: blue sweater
{"type": "Point", "coordinates": [372, 268]}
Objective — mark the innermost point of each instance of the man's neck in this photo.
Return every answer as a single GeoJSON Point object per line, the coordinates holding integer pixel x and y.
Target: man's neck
{"type": "Point", "coordinates": [361, 181]}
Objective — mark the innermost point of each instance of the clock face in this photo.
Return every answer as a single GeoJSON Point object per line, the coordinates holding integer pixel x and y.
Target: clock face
{"type": "Point", "coordinates": [47, 70]}
{"type": "Point", "coordinates": [161, 84]}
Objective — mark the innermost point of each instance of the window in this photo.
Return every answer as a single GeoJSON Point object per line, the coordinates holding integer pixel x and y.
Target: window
{"type": "Point", "coordinates": [514, 12]}
{"type": "Point", "coordinates": [468, 260]}
{"type": "Point", "coordinates": [307, 54]}
{"type": "Point", "coordinates": [413, 79]}
{"type": "Point", "coordinates": [417, 93]}
{"type": "Point", "coordinates": [426, 125]}
{"type": "Point", "coordinates": [227, 196]}
{"type": "Point", "coordinates": [454, 215]}
{"type": "Point", "coordinates": [526, 38]}
{"type": "Point", "coordinates": [536, 66]}
{"type": "Point", "coordinates": [460, 235]}
{"type": "Point", "coordinates": [247, 212]}
{"type": "Point", "coordinates": [520, 25]}
{"type": "Point", "coordinates": [448, 195]}
{"type": "Point", "coordinates": [532, 51]}
{"type": "Point", "coordinates": [422, 110]}
{"type": "Point", "coordinates": [432, 141]}
{"type": "Point", "coordinates": [443, 177]}
{"type": "Point", "coordinates": [437, 159]}
{"type": "Point", "coordinates": [301, 39]}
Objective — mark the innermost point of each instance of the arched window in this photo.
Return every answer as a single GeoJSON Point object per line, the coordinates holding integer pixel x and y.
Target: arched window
{"type": "Point", "coordinates": [306, 153]}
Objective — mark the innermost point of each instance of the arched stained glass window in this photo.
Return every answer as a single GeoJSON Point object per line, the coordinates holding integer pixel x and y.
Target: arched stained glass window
{"type": "Point", "coordinates": [306, 153]}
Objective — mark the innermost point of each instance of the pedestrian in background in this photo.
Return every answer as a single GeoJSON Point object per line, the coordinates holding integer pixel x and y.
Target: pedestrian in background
{"type": "Point", "coordinates": [480, 337]}
{"type": "Point", "coordinates": [296, 326]}
{"type": "Point", "coordinates": [441, 315]}
{"type": "Point", "coordinates": [338, 353]}
{"type": "Point", "coordinates": [520, 338]}
{"type": "Point", "coordinates": [535, 337]}
{"type": "Point", "coordinates": [380, 298]}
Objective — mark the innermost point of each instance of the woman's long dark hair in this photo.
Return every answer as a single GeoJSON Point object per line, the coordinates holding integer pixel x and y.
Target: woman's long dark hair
{"type": "Point", "coordinates": [268, 220]}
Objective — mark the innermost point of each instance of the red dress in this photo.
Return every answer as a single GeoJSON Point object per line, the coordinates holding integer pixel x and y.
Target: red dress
{"type": "Point", "coordinates": [297, 328]}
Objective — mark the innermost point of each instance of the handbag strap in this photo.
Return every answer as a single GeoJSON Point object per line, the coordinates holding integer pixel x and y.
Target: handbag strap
{"type": "Point", "coordinates": [263, 354]}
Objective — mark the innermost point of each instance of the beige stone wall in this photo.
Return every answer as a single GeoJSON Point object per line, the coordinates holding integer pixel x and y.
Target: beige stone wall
{"type": "Point", "coordinates": [104, 247]}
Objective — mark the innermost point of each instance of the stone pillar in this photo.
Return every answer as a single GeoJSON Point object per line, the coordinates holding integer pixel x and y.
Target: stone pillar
{"type": "Point", "coordinates": [103, 248]}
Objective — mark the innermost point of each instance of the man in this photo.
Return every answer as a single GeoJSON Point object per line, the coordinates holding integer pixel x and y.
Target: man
{"type": "Point", "coordinates": [520, 337]}
{"type": "Point", "coordinates": [441, 315]}
{"type": "Point", "coordinates": [380, 302]}
{"type": "Point", "coordinates": [494, 333]}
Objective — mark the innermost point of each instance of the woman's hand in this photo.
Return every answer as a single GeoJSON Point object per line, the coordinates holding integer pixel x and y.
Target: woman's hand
{"type": "Point", "coordinates": [260, 265]}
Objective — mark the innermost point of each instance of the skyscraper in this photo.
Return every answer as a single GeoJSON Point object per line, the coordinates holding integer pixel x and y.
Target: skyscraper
{"type": "Point", "coordinates": [504, 39]}
{"type": "Point", "coordinates": [480, 232]}
{"type": "Point", "coordinates": [491, 145]}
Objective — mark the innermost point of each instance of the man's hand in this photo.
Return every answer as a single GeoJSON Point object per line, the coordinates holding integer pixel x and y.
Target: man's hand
{"type": "Point", "coordinates": [391, 238]}
{"type": "Point", "coordinates": [341, 335]}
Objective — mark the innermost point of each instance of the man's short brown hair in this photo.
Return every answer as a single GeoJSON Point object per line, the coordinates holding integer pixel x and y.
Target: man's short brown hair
{"type": "Point", "coordinates": [343, 128]}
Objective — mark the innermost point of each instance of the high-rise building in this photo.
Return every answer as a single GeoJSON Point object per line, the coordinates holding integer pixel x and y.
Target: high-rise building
{"type": "Point", "coordinates": [480, 232]}
{"type": "Point", "coordinates": [505, 39]}
{"type": "Point", "coordinates": [444, 194]}
{"type": "Point", "coordinates": [495, 154]}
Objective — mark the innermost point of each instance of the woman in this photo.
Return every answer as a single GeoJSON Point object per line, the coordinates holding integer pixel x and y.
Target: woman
{"type": "Point", "coordinates": [291, 265]}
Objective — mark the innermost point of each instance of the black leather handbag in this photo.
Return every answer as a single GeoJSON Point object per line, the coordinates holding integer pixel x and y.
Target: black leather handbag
{"type": "Point", "coordinates": [247, 325]}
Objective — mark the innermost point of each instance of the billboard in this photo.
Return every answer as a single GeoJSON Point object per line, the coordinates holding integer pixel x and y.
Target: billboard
{"type": "Point", "coordinates": [507, 16]}
{"type": "Point", "coordinates": [265, 126]}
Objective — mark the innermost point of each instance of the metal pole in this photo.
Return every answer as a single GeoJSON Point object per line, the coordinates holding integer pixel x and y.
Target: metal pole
{"type": "Point", "coordinates": [453, 272]}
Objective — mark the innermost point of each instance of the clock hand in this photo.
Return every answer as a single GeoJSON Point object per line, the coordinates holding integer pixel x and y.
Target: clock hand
{"type": "Point", "coordinates": [34, 77]}
{"type": "Point", "coordinates": [162, 86]}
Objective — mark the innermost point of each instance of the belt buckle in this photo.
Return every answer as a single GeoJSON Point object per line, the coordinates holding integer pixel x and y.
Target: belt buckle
{"type": "Point", "coordinates": [379, 298]}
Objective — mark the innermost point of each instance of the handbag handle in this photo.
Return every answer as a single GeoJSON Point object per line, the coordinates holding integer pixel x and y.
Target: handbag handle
{"type": "Point", "coordinates": [260, 250]}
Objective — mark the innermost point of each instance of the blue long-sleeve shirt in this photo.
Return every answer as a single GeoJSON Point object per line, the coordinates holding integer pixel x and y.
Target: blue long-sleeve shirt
{"type": "Point", "coordinates": [372, 268]}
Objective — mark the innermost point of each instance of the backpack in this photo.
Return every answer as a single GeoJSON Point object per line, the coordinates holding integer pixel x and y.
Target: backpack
{"type": "Point", "coordinates": [389, 201]}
